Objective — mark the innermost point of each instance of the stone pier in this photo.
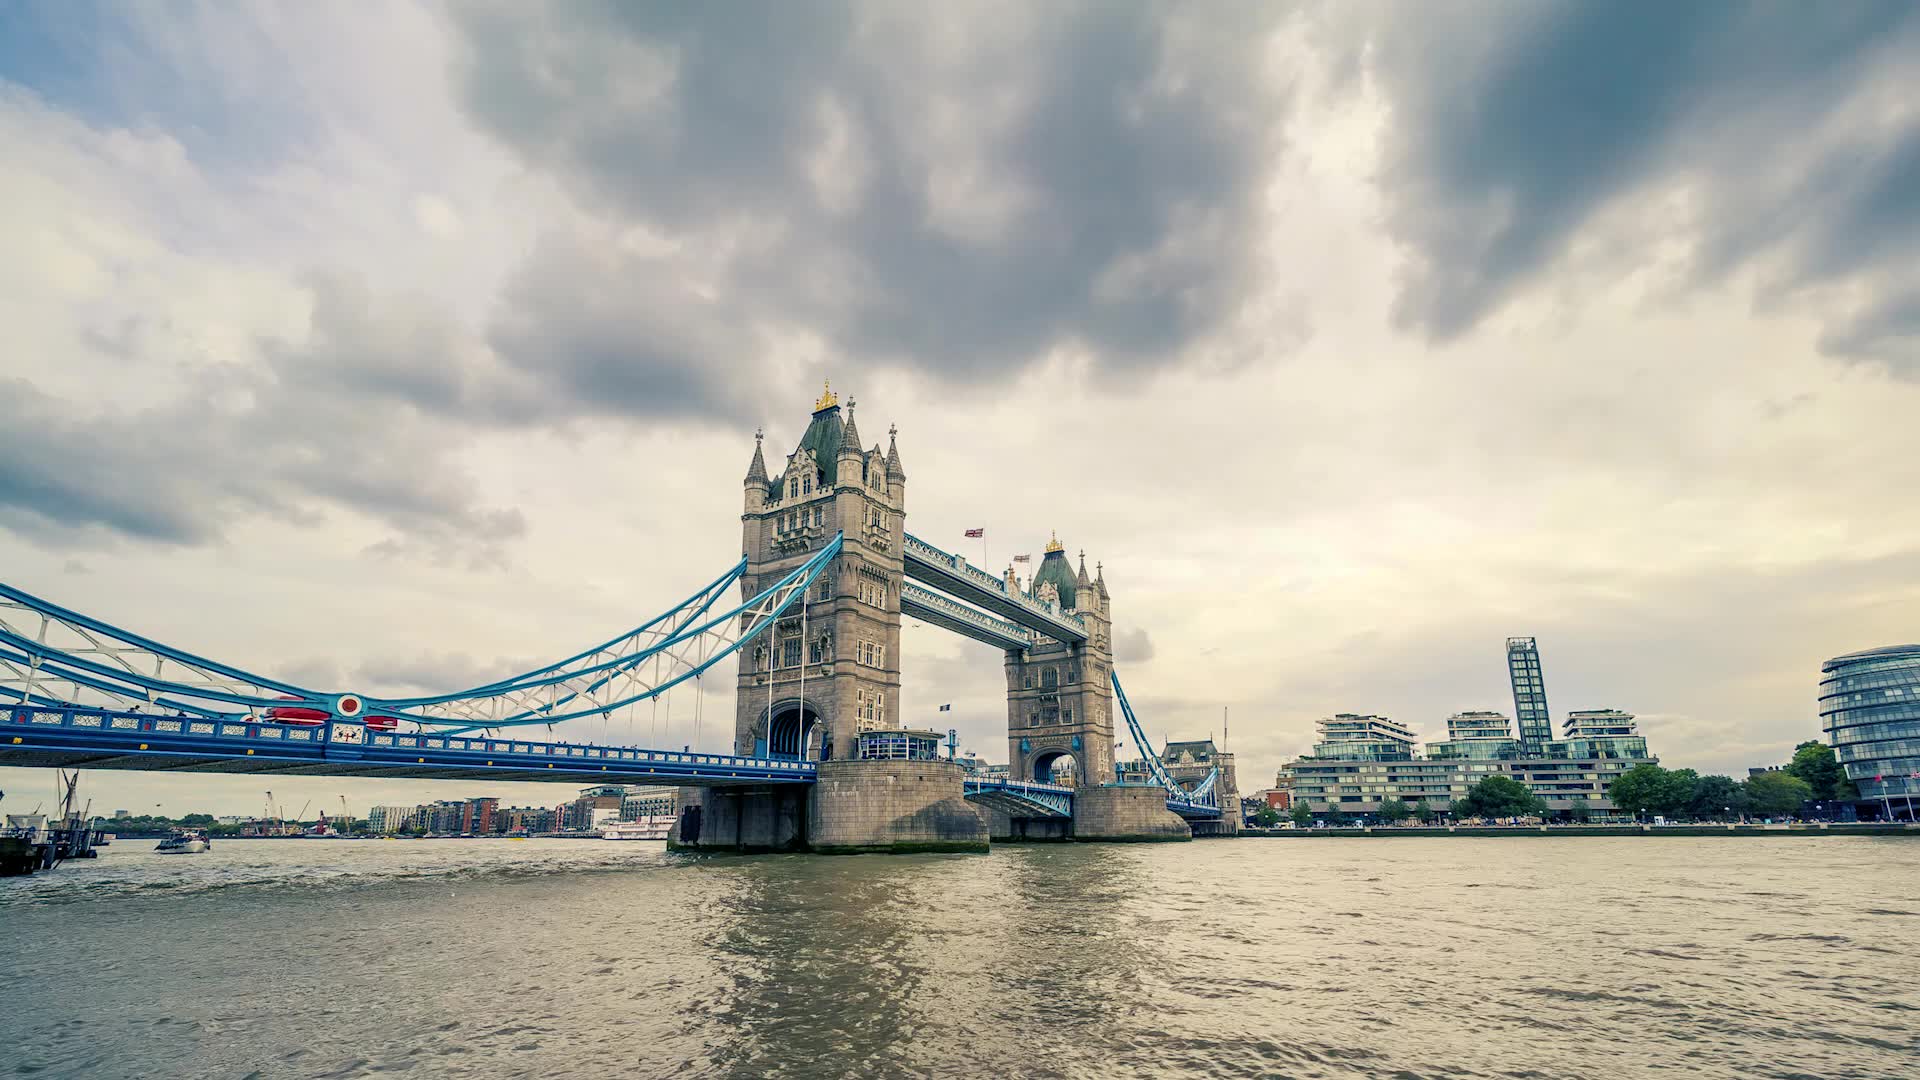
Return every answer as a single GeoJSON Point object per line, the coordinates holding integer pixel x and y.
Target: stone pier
{"type": "Point", "coordinates": [892, 806]}
{"type": "Point", "coordinates": [741, 819]}
{"type": "Point", "coordinates": [1126, 814]}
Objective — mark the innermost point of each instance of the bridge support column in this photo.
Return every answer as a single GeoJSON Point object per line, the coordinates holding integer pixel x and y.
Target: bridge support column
{"type": "Point", "coordinates": [746, 820]}
{"type": "Point", "coordinates": [892, 806]}
{"type": "Point", "coordinates": [1126, 814]}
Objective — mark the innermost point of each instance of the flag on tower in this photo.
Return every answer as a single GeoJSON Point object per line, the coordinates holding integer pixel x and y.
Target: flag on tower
{"type": "Point", "coordinates": [948, 707]}
{"type": "Point", "coordinates": [976, 534]}
{"type": "Point", "coordinates": [1023, 558]}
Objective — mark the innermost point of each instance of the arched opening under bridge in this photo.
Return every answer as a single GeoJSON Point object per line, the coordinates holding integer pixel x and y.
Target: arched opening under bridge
{"type": "Point", "coordinates": [1055, 767]}
{"type": "Point", "coordinates": [795, 731]}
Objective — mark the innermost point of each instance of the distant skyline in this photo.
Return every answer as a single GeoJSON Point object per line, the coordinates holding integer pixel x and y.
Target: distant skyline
{"type": "Point", "coordinates": [1351, 338]}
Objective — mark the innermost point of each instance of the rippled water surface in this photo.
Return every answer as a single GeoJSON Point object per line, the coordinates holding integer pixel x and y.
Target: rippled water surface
{"type": "Point", "coordinates": [1407, 958]}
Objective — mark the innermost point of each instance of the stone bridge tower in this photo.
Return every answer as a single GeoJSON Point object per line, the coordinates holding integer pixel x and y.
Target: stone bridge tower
{"type": "Point", "coordinates": [846, 648]}
{"type": "Point", "coordinates": [1059, 699]}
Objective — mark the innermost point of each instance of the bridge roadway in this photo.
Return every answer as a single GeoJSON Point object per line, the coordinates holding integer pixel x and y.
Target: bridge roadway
{"type": "Point", "coordinates": [89, 739]}
{"type": "Point", "coordinates": [953, 575]}
{"type": "Point", "coordinates": [69, 738]}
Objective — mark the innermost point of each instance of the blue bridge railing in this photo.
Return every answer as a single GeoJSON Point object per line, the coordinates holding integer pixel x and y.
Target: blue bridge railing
{"type": "Point", "coordinates": [103, 739]}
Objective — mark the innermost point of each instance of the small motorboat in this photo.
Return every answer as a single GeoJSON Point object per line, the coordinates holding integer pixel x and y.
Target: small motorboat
{"type": "Point", "coordinates": [183, 842]}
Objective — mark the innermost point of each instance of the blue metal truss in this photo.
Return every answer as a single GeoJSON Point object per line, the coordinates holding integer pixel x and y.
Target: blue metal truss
{"type": "Point", "coordinates": [54, 657]}
{"type": "Point", "coordinates": [113, 739]}
{"type": "Point", "coordinates": [1202, 801]}
{"type": "Point", "coordinates": [1020, 798]}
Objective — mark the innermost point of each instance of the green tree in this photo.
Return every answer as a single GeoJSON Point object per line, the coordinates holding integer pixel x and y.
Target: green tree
{"type": "Point", "coordinates": [1266, 817]}
{"type": "Point", "coordinates": [197, 821]}
{"type": "Point", "coordinates": [1424, 812]}
{"type": "Point", "coordinates": [1394, 811]}
{"type": "Point", "coordinates": [1776, 794]}
{"type": "Point", "coordinates": [1813, 761]}
{"type": "Point", "coordinates": [1459, 808]}
{"type": "Point", "coordinates": [1338, 818]}
{"type": "Point", "coordinates": [1580, 810]}
{"type": "Point", "coordinates": [1502, 796]}
{"type": "Point", "coordinates": [1650, 789]}
{"type": "Point", "coordinates": [1302, 816]}
{"type": "Point", "coordinates": [1716, 797]}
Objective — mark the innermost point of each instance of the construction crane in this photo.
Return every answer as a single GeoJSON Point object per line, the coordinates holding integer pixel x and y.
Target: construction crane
{"type": "Point", "coordinates": [302, 816]}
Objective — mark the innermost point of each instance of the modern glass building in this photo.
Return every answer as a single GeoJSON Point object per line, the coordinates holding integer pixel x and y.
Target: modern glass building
{"type": "Point", "coordinates": [1870, 709]}
{"type": "Point", "coordinates": [1529, 694]}
{"type": "Point", "coordinates": [1476, 736]}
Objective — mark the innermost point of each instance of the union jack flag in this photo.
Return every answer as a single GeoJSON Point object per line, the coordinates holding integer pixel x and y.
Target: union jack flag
{"type": "Point", "coordinates": [976, 534]}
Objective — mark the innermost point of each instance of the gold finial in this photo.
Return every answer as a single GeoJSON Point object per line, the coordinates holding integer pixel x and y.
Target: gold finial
{"type": "Point", "coordinates": [1054, 544]}
{"type": "Point", "coordinates": [827, 398]}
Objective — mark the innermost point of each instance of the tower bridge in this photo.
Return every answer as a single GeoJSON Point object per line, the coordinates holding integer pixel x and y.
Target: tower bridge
{"type": "Point", "coordinates": [819, 758]}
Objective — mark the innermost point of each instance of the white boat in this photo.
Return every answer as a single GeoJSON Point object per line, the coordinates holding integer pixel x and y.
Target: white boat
{"type": "Point", "coordinates": [646, 828]}
{"type": "Point", "coordinates": [183, 843]}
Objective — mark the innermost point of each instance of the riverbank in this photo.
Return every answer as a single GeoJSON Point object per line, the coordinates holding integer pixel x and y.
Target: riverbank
{"type": "Point", "coordinates": [1810, 829]}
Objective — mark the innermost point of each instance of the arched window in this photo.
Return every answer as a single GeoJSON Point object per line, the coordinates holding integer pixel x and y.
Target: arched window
{"type": "Point", "coordinates": [1049, 679]}
{"type": "Point", "coordinates": [793, 487]}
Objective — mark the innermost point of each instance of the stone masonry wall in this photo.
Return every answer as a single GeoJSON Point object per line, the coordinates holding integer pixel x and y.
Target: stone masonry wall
{"type": "Point", "coordinates": [862, 806]}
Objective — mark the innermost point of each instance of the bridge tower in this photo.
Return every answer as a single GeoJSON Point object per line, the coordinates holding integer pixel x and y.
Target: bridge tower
{"type": "Point", "coordinates": [1059, 701]}
{"type": "Point", "coordinates": [845, 647]}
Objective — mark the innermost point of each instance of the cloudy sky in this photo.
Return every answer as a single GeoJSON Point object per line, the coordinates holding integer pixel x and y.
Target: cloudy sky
{"type": "Point", "coordinates": [386, 352]}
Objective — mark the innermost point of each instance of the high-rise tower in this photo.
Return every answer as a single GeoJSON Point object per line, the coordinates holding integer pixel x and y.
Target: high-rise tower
{"type": "Point", "coordinates": [1529, 695]}
{"type": "Point", "coordinates": [831, 667]}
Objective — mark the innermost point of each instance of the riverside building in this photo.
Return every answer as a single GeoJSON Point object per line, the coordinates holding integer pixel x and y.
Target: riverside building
{"type": "Point", "coordinates": [1361, 762]}
{"type": "Point", "coordinates": [1870, 709]}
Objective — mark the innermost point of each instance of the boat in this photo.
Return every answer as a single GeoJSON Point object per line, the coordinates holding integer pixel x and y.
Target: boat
{"type": "Point", "coordinates": [646, 828]}
{"type": "Point", "coordinates": [184, 842]}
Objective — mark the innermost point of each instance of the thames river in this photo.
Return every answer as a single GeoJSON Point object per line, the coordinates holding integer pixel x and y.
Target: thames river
{"type": "Point", "coordinates": [1789, 957]}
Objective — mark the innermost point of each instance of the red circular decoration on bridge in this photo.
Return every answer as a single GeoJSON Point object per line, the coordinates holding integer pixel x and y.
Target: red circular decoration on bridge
{"type": "Point", "coordinates": [348, 705]}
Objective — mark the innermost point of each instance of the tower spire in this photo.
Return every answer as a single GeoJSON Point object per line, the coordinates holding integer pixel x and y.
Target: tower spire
{"type": "Point", "coordinates": [850, 435]}
{"type": "Point", "coordinates": [758, 470]}
{"type": "Point", "coordinates": [893, 452]}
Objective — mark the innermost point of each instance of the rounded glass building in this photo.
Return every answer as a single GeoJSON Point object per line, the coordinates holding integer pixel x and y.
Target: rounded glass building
{"type": "Point", "coordinates": [1870, 708]}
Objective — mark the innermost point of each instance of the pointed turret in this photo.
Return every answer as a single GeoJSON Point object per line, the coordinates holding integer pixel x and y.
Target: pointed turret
{"type": "Point", "coordinates": [1100, 580]}
{"type": "Point", "coordinates": [1084, 581]}
{"type": "Point", "coordinates": [756, 483]}
{"type": "Point", "coordinates": [852, 460]}
{"type": "Point", "coordinates": [757, 471]}
{"type": "Point", "coordinates": [894, 468]}
{"type": "Point", "coordinates": [850, 435]}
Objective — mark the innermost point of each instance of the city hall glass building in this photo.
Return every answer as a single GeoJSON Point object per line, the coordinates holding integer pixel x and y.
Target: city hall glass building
{"type": "Point", "coordinates": [1870, 708]}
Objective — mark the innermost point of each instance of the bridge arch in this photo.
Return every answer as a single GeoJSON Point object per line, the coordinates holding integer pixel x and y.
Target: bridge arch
{"type": "Point", "coordinates": [795, 730]}
{"type": "Point", "coordinates": [1042, 765]}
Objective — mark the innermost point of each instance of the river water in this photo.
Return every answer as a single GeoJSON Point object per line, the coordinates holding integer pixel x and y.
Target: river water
{"type": "Point", "coordinates": [1409, 958]}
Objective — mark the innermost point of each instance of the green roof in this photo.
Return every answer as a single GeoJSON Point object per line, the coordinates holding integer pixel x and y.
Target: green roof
{"type": "Point", "coordinates": [823, 438]}
{"type": "Point", "coordinates": [1054, 568]}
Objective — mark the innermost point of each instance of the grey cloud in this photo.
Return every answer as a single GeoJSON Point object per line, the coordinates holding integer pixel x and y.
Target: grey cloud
{"type": "Point", "coordinates": [1509, 136]}
{"type": "Point", "coordinates": [342, 421]}
{"type": "Point", "coordinates": [607, 332]}
{"type": "Point", "coordinates": [1132, 646]}
{"type": "Point", "coordinates": [957, 193]}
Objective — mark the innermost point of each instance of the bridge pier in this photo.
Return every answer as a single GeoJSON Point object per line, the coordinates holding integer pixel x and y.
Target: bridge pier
{"type": "Point", "coordinates": [746, 820]}
{"type": "Point", "coordinates": [1126, 814]}
{"type": "Point", "coordinates": [892, 806]}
